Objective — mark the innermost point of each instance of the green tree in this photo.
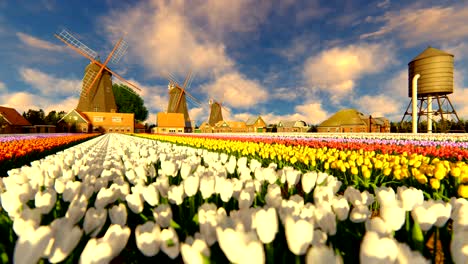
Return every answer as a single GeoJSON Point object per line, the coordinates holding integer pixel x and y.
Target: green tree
{"type": "Point", "coordinates": [53, 117]}
{"type": "Point", "coordinates": [129, 102]}
{"type": "Point", "coordinates": [35, 117]}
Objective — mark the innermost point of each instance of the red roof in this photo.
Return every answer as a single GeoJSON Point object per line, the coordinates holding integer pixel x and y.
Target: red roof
{"type": "Point", "coordinates": [13, 117]}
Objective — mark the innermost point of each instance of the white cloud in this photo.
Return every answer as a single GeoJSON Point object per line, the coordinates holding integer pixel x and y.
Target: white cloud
{"type": "Point", "coordinates": [336, 70]}
{"type": "Point", "coordinates": [38, 43]}
{"type": "Point", "coordinates": [161, 36]}
{"type": "Point", "coordinates": [460, 50]}
{"type": "Point", "coordinates": [285, 93]}
{"type": "Point", "coordinates": [415, 25]}
{"type": "Point", "coordinates": [384, 4]}
{"type": "Point", "coordinates": [48, 84]}
{"type": "Point", "coordinates": [380, 105]}
{"type": "Point", "coordinates": [299, 46]}
{"type": "Point", "coordinates": [312, 113]}
{"type": "Point", "coordinates": [23, 101]}
{"type": "Point", "coordinates": [236, 90]}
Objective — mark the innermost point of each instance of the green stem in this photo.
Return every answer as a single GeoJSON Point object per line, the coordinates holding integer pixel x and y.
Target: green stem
{"type": "Point", "coordinates": [270, 253]}
{"type": "Point", "coordinates": [298, 259]}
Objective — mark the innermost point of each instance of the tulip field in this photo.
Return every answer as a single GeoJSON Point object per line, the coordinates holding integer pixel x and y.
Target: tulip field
{"type": "Point", "coordinates": [238, 198]}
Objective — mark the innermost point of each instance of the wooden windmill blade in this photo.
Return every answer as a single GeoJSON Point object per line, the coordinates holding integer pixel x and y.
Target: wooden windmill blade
{"type": "Point", "coordinates": [66, 37]}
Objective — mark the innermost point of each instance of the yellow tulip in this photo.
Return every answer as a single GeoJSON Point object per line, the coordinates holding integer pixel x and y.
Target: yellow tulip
{"type": "Point", "coordinates": [387, 171]}
{"type": "Point", "coordinates": [463, 191]}
{"type": "Point", "coordinates": [366, 174]}
{"type": "Point", "coordinates": [435, 183]}
{"type": "Point", "coordinates": [455, 172]}
{"type": "Point", "coordinates": [422, 179]}
{"type": "Point", "coordinates": [354, 171]}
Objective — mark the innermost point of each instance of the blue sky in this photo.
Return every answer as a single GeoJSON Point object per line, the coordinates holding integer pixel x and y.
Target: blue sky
{"type": "Point", "coordinates": [282, 59]}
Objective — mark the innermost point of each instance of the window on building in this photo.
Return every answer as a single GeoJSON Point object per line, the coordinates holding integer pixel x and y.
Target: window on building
{"type": "Point", "coordinates": [351, 129]}
{"type": "Point", "coordinates": [75, 118]}
{"type": "Point", "coordinates": [117, 119]}
{"type": "Point", "coordinates": [180, 130]}
{"type": "Point", "coordinates": [110, 129]}
{"type": "Point", "coordinates": [98, 119]}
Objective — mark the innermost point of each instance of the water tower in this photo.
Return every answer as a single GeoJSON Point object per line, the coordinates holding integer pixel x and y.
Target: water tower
{"type": "Point", "coordinates": [430, 76]}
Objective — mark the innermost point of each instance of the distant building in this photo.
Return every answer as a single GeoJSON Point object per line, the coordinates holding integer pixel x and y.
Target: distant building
{"type": "Point", "coordinates": [256, 124]}
{"type": "Point", "coordinates": [104, 122]}
{"type": "Point", "coordinates": [140, 128]}
{"type": "Point", "coordinates": [11, 122]}
{"type": "Point", "coordinates": [292, 126]}
{"type": "Point", "coordinates": [170, 123]}
{"type": "Point", "coordinates": [206, 128]}
{"type": "Point", "coordinates": [353, 121]}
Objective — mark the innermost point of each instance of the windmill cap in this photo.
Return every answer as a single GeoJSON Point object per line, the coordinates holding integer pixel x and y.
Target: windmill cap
{"type": "Point", "coordinates": [430, 52]}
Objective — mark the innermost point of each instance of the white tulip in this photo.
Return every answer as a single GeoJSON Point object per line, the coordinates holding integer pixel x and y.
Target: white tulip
{"type": "Point", "coordinates": [246, 199]}
{"type": "Point", "coordinates": [323, 194]}
{"type": "Point", "coordinates": [443, 211]}
{"type": "Point", "coordinates": [175, 194]}
{"type": "Point", "coordinates": [322, 254]}
{"type": "Point", "coordinates": [359, 214]}
{"type": "Point", "coordinates": [321, 177]}
{"type": "Point", "coordinates": [357, 198]}
{"type": "Point", "coordinates": [60, 185]}
{"type": "Point", "coordinates": [319, 238]}
{"type": "Point", "coordinates": [308, 181]}
{"type": "Point", "coordinates": [186, 170]}
{"type": "Point", "coordinates": [94, 221]}
{"type": "Point", "coordinates": [226, 188]}
{"type": "Point", "coordinates": [66, 238]}
{"type": "Point", "coordinates": [393, 215]}
{"type": "Point", "coordinates": [147, 238]}
{"type": "Point", "coordinates": [266, 222]}
{"type": "Point", "coordinates": [30, 247]}
{"type": "Point", "coordinates": [195, 252]}
{"type": "Point", "coordinates": [341, 208]}
{"type": "Point", "coordinates": [406, 255]}
{"type": "Point", "coordinates": [162, 182]}
{"type": "Point", "coordinates": [240, 247]}
{"type": "Point", "coordinates": [104, 249]}
{"type": "Point", "coordinates": [150, 194]}
{"type": "Point", "coordinates": [379, 226]}
{"type": "Point", "coordinates": [207, 186]}
{"type": "Point", "coordinates": [385, 196]}
{"type": "Point", "coordinates": [273, 197]}
{"type": "Point", "coordinates": [118, 214]}
{"type": "Point", "coordinates": [292, 176]}
{"type": "Point", "coordinates": [135, 202]}
{"type": "Point", "coordinates": [72, 189]}
{"type": "Point", "coordinates": [77, 209]}
{"type": "Point", "coordinates": [11, 203]}
{"type": "Point", "coordinates": [325, 219]}
{"type": "Point", "coordinates": [104, 197]}
{"type": "Point", "coordinates": [191, 184]}
{"type": "Point", "coordinates": [424, 216]}
{"type": "Point", "coordinates": [410, 197]}
{"type": "Point", "coordinates": [169, 168]}
{"type": "Point", "coordinates": [170, 242]}
{"type": "Point", "coordinates": [231, 165]}
{"type": "Point", "coordinates": [459, 247]}
{"type": "Point", "coordinates": [377, 250]}
{"type": "Point", "coordinates": [299, 235]}
{"type": "Point", "coordinates": [163, 215]}
{"type": "Point", "coordinates": [27, 220]}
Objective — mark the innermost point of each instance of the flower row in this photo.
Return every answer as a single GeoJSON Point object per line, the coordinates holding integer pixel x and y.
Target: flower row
{"type": "Point", "coordinates": [24, 146]}
{"type": "Point", "coordinates": [364, 169]}
{"type": "Point", "coordinates": [118, 196]}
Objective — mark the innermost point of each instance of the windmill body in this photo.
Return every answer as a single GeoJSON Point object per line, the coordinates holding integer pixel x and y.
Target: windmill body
{"type": "Point", "coordinates": [216, 113]}
{"type": "Point", "coordinates": [100, 97]}
{"type": "Point", "coordinates": [178, 103]}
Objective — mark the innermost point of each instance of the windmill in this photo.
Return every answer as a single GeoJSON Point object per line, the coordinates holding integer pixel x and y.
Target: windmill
{"type": "Point", "coordinates": [216, 113]}
{"type": "Point", "coordinates": [178, 98]}
{"type": "Point", "coordinates": [96, 93]}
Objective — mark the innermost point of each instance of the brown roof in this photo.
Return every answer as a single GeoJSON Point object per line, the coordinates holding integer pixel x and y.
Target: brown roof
{"type": "Point", "coordinates": [13, 117]}
{"type": "Point", "coordinates": [171, 120]}
{"type": "Point", "coordinates": [236, 124]}
{"type": "Point", "coordinates": [139, 126]}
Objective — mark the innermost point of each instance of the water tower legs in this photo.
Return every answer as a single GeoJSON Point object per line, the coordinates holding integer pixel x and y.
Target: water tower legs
{"type": "Point", "coordinates": [439, 117]}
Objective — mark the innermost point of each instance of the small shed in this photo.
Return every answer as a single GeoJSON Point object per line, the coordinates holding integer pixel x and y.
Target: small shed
{"type": "Point", "coordinates": [256, 124]}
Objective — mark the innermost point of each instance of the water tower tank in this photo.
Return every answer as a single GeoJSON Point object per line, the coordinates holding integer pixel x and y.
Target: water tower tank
{"type": "Point", "coordinates": [436, 70]}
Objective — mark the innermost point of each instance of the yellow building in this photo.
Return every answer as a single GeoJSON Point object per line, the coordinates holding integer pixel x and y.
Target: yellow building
{"type": "Point", "coordinates": [170, 123]}
{"type": "Point", "coordinates": [104, 122]}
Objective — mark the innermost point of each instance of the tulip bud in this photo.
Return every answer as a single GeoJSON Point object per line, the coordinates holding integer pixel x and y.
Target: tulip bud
{"type": "Point", "coordinates": [147, 238]}
{"type": "Point", "coordinates": [118, 214]}
{"type": "Point", "coordinates": [266, 222]}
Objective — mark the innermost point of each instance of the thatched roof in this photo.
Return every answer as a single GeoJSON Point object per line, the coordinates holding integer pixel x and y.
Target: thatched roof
{"type": "Point", "coordinates": [345, 117]}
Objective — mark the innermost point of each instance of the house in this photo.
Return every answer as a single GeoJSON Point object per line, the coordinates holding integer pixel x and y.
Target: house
{"type": "Point", "coordinates": [292, 126]}
{"type": "Point", "coordinates": [170, 123]}
{"type": "Point", "coordinates": [11, 122]}
{"type": "Point", "coordinates": [140, 128]}
{"type": "Point", "coordinates": [206, 128]}
{"type": "Point", "coordinates": [353, 121]}
{"type": "Point", "coordinates": [256, 124]}
{"type": "Point", "coordinates": [104, 122]}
